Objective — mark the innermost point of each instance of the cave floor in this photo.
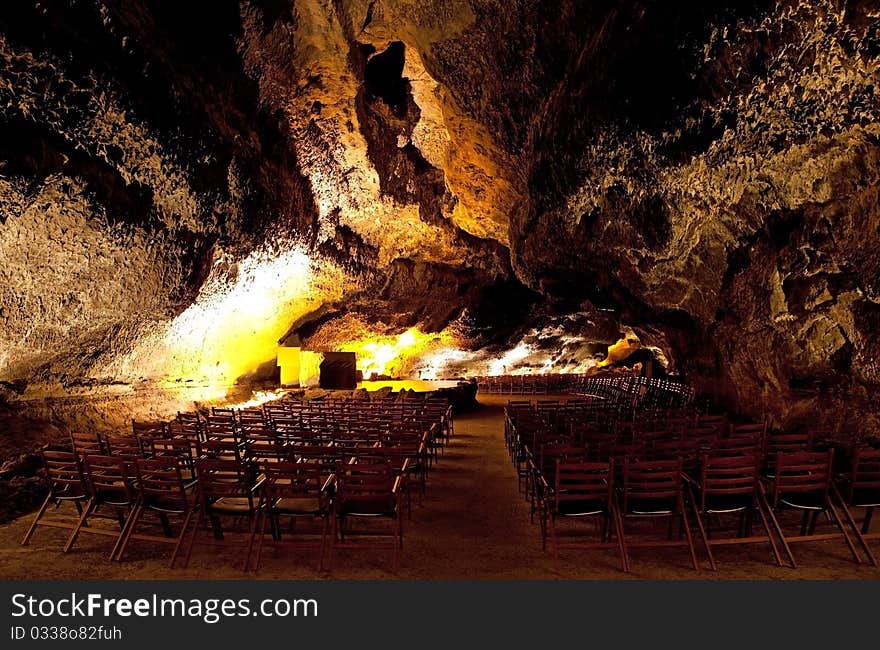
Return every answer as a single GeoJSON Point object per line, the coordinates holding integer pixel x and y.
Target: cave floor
{"type": "Point", "coordinates": [473, 525]}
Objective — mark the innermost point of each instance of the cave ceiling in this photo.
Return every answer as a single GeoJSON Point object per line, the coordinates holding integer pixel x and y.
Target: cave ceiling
{"type": "Point", "coordinates": [184, 184]}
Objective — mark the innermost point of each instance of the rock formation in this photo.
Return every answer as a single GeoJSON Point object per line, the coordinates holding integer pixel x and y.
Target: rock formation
{"type": "Point", "coordinates": [176, 178]}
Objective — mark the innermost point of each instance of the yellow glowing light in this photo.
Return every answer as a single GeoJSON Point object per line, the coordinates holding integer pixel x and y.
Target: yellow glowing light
{"type": "Point", "coordinates": [259, 397]}
{"type": "Point", "coordinates": [393, 355]}
{"type": "Point", "coordinates": [232, 328]}
{"type": "Point", "coordinates": [620, 350]}
{"type": "Point", "coordinates": [504, 365]}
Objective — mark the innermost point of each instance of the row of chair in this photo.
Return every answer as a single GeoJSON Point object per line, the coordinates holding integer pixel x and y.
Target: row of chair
{"type": "Point", "coordinates": [729, 470]}
{"type": "Point", "coordinates": [619, 388]}
{"type": "Point", "coordinates": [248, 475]}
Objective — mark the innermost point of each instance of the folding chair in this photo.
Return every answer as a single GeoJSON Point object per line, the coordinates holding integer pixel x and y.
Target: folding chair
{"type": "Point", "coordinates": [581, 491]}
{"type": "Point", "coordinates": [803, 483]}
{"type": "Point", "coordinates": [367, 491]}
{"type": "Point", "coordinates": [294, 491]}
{"type": "Point", "coordinates": [864, 486]}
{"type": "Point", "coordinates": [110, 481]}
{"type": "Point", "coordinates": [162, 491]}
{"type": "Point", "coordinates": [66, 485]}
{"type": "Point", "coordinates": [653, 490]}
{"type": "Point", "coordinates": [730, 485]}
{"type": "Point", "coordinates": [226, 491]}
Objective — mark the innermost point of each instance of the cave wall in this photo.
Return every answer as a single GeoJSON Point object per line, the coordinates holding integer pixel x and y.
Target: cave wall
{"type": "Point", "coordinates": [705, 173]}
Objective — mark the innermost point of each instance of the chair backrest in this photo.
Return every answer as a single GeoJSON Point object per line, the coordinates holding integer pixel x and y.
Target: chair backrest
{"type": "Point", "coordinates": [583, 481]}
{"type": "Point", "coordinates": [358, 480]}
{"type": "Point", "coordinates": [294, 480]}
{"type": "Point", "coordinates": [719, 422]}
{"type": "Point", "coordinates": [224, 479]}
{"type": "Point", "coordinates": [784, 443]}
{"type": "Point", "coordinates": [737, 430]}
{"type": "Point", "coordinates": [703, 435]}
{"type": "Point", "coordinates": [742, 445]}
{"type": "Point", "coordinates": [550, 455]}
{"type": "Point", "coordinates": [649, 480]}
{"type": "Point", "coordinates": [865, 477]}
{"type": "Point", "coordinates": [395, 456]}
{"type": "Point", "coordinates": [188, 417]}
{"type": "Point", "coordinates": [803, 472]}
{"type": "Point", "coordinates": [219, 449]}
{"type": "Point", "coordinates": [86, 443]}
{"type": "Point", "coordinates": [264, 444]}
{"type": "Point", "coordinates": [180, 449]}
{"type": "Point", "coordinates": [108, 477]}
{"type": "Point", "coordinates": [126, 447]}
{"type": "Point", "coordinates": [219, 430]}
{"type": "Point", "coordinates": [144, 428]}
{"type": "Point", "coordinates": [189, 430]}
{"type": "Point", "coordinates": [722, 475]}
{"type": "Point", "coordinates": [682, 448]}
{"type": "Point", "coordinates": [160, 483]}
{"type": "Point", "coordinates": [63, 470]}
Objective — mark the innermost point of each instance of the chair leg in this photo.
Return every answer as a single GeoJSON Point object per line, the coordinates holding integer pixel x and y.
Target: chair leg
{"type": "Point", "coordinates": [79, 524]}
{"type": "Point", "coordinates": [324, 531]}
{"type": "Point", "coordinates": [621, 532]}
{"type": "Point", "coordinates": [333, 525]}
{"type": "Point", "coordinates": [123, 532]}
{"type": "Point", "coordinates": [252, 529]}
{"type": "Point", "coordinates": [852, 548]}
{"type": "Point", "coordinates": [687, 532]}
{"type": "Point", "coordinates": [762, 496]}
{"type": "Point", "coordinates": [702, 530]}
{"type": "Point", "coordinates": [855, 528]}
{"type": "Point", "coordinates": [769, 534]}
{"type": "Point", "coordinates": [192, 539]}
{"type": "Point", "coordinates": [183, 530]}
{"type": "Point", "coordinates": [618, 530]}
{"type": "Point", "coordinates": [136, 517]}
{"type": "Point", "coordinates": [33, 527]}
{"type": "Point", "coordinates": [264, 515]}
{"type": "Point", "coordinates": [395, 546]}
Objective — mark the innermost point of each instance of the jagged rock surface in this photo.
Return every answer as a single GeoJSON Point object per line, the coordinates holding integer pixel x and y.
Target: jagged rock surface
{"type": "Point", "coordinates": [708, 172]}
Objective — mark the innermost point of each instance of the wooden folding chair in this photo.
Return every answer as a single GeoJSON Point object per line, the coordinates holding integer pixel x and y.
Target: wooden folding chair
{"type": "Point", "coordinates": [164, 492]}
{"type": "Point", "coordinates": [367, 492]}
{"type": "Point", "coordinates": [110, 481]}
{"type": "Point", "coordinates": [730, 485]}
{"type": "Point", "coordinates": [863, 490]}
{"type": "Point", "coordinates": [653, 490]}
{"type": "Point", "coordinates": [803, 483]}
{"type": "Point", "coordinates": [66, 485]}
{"type": "Point", "coordinates": [294, 491]}
{"type": "Point", "coordinates": [864, 493]}
{"type": "Point", "coordinates": [226, 491]}
{"type": "Point", "coordinates": [583, 490]}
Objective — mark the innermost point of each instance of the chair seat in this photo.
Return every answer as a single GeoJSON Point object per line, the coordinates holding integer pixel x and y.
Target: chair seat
{"type": "Point", "coordinates": [651, 507]}
{"type": "Point", "coordinates": [298, 506]}
{"type": "Point", "coordinates": [232, 505]}
{"type": "Point", "coordinates": [866, 498]}
{"type": "Point", "coordinates": [170, 506]}
{"type": "Point", "coordinates": [377, 506]}
{"type": "Point", "coordinates": [721, 503]}
{"type": "Point", "coordinates": [581, 508]}
{"type": "Point", "coordinates": [805, 501]}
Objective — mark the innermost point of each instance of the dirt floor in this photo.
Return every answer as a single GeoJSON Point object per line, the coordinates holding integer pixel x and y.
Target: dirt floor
{"type": "Point", "coordinates": [473, 525]}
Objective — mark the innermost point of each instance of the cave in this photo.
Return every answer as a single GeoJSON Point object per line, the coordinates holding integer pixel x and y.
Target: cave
{"type": "Point", "coordinates": [608, 234]}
